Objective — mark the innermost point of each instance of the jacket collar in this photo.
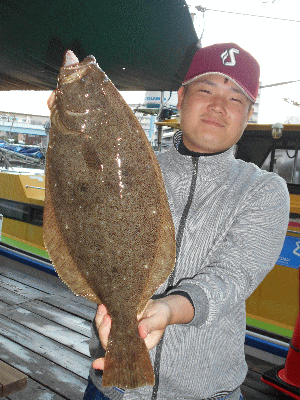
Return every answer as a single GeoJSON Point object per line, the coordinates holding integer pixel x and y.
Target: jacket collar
{"type": "Point", "coordinates": [209, 167]}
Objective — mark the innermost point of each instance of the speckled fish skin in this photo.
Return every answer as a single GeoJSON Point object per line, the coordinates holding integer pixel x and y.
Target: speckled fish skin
{"type": "Point", "coordinates": [107, 223]}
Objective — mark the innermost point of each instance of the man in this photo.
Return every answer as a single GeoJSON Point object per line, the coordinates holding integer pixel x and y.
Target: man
{"type": "Point", "coordinates": [230, 219]}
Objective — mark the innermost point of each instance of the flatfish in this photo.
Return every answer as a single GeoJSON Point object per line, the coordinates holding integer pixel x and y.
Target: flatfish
{"type": "Point", "coordinates": [107, 223]}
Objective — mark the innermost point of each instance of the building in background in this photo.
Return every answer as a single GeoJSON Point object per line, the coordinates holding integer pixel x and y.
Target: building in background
{"type": "Point", "coordinates": [24, 129]}
{"type": "Point", "coordinates": [154, 109]}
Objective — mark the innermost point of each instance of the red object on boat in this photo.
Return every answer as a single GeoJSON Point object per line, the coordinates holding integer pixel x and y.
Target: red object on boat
{"type": "Point", "coordinates": [281, 388]}
{"type": "Point", "coordinates": [287, 378]}
{"type": "Point", "coordinates": [291, 371]}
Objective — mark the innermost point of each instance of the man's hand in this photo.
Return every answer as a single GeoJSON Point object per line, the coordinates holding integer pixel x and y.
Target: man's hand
{"type": "Point", "coordinates": [153, 322]}
{"type": "Point", "coordinates": [103, 325]}
{"type": "Point", "coordinates": [157, 315]}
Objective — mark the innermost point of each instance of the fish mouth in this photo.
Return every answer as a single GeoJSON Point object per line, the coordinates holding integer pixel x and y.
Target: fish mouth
{"type": "Point", "coordinates": [79, 70]}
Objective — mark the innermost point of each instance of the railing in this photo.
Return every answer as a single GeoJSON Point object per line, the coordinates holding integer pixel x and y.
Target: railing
{"type": "Point", "coordinates": [19, 156]}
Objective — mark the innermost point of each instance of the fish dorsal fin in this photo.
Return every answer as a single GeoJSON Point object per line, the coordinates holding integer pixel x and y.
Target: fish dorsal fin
{"type": "Point", "coordinates": [64, 266]}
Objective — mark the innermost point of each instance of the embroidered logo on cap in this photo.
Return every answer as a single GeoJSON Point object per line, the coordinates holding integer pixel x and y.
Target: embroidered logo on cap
{"type": "Point", "coordinates": [231, 54]}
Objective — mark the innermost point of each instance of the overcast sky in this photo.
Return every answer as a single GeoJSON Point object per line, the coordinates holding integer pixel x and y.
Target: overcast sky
{"type": "Point", "coordinates": [272, 40]}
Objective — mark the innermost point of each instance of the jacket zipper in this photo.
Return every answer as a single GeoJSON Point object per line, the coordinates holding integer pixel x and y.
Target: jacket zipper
{"type": "Point", "coordinates": [171, 279]}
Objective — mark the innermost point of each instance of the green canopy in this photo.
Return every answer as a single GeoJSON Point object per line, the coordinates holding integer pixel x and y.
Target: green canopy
{"type": "Point", "coordinates": [140, 44]}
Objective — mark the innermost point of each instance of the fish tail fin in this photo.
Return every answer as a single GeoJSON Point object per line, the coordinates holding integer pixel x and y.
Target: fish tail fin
{"type": "Point", "coordinates": [127, 366]}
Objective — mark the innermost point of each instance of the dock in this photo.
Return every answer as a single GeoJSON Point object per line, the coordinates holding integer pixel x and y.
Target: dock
{"type": "Point", "coordinates": [45, 330]}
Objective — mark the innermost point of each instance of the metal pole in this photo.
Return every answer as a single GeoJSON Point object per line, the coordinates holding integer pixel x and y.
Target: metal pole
{"type": "Point", "coordinates": [295, 164]}
{"type": "Point", "coordinates": [159, 127]}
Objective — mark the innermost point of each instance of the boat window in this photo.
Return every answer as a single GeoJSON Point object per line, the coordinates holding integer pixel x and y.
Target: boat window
{"type": "Point", "coordinates": [14, 210]}
{"type": "Point", "coordinates": [36, 217]}
{"type": "Point", "coordinates": [29, 213]}
{"type": "Point", "coordinates": [286, 164]}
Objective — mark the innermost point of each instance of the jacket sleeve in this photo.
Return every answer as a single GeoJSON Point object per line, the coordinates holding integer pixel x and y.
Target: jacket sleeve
{"type": "Point", "coordinates": [244, 256]}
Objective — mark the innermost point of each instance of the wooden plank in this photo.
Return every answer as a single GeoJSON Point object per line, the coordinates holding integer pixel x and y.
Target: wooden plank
{"type": "Point", "coordinates": [35, 391]}
{"type": "Point", "coordinates": [42, 283]}
{"type": "Point", "coordinates": [74, 307]}
{"type": "Point", "coordinates": [59, 316]}
{"type": "Point", "coordinates": [11, 289]}
{"type": "Point", "coordinates": [48, 348]}
{"type": "Point", "coordinates": [45, 372]}
{"type": "Point", "coordinates": [19, 288]}
{"type": "Point", "coordinates": [10, 298]}
{"type": "Point", "coordinates": [3, 306]}
{"type": "Point", "coordinates": [11, 380]}
{"type": "Point", "coordinates": [50, 329]}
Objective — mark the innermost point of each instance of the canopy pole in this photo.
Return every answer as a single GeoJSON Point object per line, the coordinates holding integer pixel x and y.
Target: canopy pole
{"type": "Point", "coordinates": [159, 127]}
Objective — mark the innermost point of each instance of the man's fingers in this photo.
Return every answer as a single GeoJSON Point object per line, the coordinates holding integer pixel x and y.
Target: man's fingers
{"type": "Point", "coordinates": [101, 311]}
{"type": "Point", "coordinates": [149, 333]}
{"type": "Point", "coordinates": [104, 330]}
{"type": "Point", "coordinates": [98, 364]}
{"type": "Point", "coordinates": [103, 324]}
{"type": "Point", "coordinates": [143, 331]}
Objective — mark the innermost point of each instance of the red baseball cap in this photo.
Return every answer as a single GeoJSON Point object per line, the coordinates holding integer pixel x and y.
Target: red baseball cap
{"type": "Point", "coordinates": [230, 60]}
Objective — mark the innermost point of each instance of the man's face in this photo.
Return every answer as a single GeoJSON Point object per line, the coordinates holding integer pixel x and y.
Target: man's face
{"type": "Point", "coordinates": [214, 113]}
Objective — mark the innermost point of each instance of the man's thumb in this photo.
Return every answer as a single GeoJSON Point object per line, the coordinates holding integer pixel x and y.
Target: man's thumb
{"type": "Point", "coordinates": [98, 364]}
{"type": "Point", "coordinates": [144, 328]}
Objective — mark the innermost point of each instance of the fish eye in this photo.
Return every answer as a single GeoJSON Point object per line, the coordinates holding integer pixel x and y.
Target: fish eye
{"type": "Point", "coordinates": [84, 78]}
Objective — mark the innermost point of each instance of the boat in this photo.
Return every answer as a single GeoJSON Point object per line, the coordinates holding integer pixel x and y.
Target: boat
{"type": "Point", "coordinates": [21, 205]}
{"type": "Point", "coordinates": [274, 305]}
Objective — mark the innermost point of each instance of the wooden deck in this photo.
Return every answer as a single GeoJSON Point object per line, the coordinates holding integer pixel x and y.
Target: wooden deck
{"type": "Point", "coordinates": [44, 333]}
